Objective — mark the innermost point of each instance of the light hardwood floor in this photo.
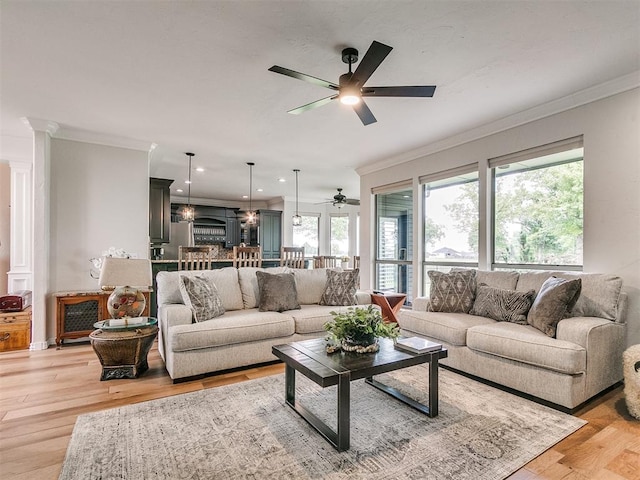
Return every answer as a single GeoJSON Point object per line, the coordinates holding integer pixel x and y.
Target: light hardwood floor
{"type": "Point", "coordinates": [42, 393]}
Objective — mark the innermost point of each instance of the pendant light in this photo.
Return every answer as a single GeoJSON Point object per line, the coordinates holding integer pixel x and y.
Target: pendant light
{"type": "Point", "coordinates": [296, 219]}
{"type": "Point", "coordinates": [251, 215]}
{"type": "Point", "coordinates": [188, 212]}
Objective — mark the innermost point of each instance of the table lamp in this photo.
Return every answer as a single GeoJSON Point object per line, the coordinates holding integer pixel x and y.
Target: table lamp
{"type": "Point", "coordinates": [125, 301]}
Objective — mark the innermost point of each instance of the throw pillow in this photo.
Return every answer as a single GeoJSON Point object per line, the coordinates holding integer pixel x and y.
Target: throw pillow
{"type": "Point", "coordinates": [340, 288]}
{"type": "Point", "coordinates": [452, 292]}
{"type": "Point", "coordinates": [502, 305]}
{"type": "Point", "coordinates": [277, 292]}
{"type": "Point", "coordinates": [201, 296]}
{"type": "Point", "coordinates": [555, 300]}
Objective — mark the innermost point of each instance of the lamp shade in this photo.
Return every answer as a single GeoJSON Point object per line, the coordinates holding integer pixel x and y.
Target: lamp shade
{"type": "Point", "coordinates": [131, 272]}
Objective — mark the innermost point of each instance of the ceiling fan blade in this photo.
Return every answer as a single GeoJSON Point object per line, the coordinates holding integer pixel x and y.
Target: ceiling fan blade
{"type": "Point", "coordinates": [417, 91]}
{"type": "Point", "coordinates": [370, 62]}
{"type": "Point", "coordinates": [309, 106]}
{"type": "Point", "coordinates": [352, 201]}
{"type": "Point", "coordinates": [364, 113]}
{"type": "Point", "coordinates": [304, 77]}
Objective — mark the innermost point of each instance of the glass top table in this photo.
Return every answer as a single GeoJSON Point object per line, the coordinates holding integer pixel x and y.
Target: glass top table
{"type": "Point", "coordinates": [126, 323]}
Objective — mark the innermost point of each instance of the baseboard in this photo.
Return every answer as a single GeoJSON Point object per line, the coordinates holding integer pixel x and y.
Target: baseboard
{"type": "Point", "coordinates": [533, 398]}
{"type": "Point", "coordinates": [38, 346]}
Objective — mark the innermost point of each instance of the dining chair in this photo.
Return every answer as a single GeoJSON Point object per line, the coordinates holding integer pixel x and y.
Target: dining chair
{"type": "Point", "coordinates": [292, 257]}
{"type": "Point", "coordinates": [247, 257]}
{"type": "Point", "coordinates": [356, 261]}
{"type": "Point", "coordinates": [331, 261]}
{"type": "Point", "coordinates": [194, 258]}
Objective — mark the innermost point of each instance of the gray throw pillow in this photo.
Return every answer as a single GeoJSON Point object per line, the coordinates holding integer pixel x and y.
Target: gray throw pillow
{"type": "Point", "coordinates": [452, 292]}
{"type": "Point", "coordinates": [340, 288]}
{"type": "Point", "coordinates": [554, 301]}
{"type": "Point", "coordinates": [502, 305]}
{"type": "Point", "coordinates": [201, 296]}
{"type": "Point", "coordinates": [277, 292]}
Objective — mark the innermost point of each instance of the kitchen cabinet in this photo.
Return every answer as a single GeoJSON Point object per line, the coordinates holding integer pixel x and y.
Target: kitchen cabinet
{"type": "Point", "coordinates": [270, 232]}
{"type": "Point", "coordinates": [159, 210]}
{"type": "Point", "coordinates": [233, 233]}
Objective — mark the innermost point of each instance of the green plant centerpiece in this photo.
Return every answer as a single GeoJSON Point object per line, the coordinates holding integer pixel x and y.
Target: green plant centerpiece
{"type": "Point", "coordinates": [357, 330]}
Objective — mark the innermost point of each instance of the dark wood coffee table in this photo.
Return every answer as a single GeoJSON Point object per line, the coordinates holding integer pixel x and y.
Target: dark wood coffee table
{"type": "Point", "coordinates": [341, 368]}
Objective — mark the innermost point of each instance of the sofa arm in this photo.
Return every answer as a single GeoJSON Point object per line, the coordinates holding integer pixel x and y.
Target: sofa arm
{"type": "Point", "coordinates": [420, 304]}
{"type": "Point", "coordinates": [363, 298]}
{"type": "Point", "coordinates": [581, 330]}
{"type": "Point", "coordinates": [170, 315]}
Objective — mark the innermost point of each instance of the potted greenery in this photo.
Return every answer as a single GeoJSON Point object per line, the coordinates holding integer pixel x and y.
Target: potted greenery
{"type": "Point", "coordinates": [357, 330]}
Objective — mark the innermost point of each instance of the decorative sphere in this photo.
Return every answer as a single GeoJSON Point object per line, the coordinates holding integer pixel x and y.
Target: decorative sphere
{"type": "Point", "coordinates": [126, 302]}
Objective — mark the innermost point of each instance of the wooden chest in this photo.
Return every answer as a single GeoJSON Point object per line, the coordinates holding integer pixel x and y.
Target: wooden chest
{"type": "Point", "coordinates": [15, 330]}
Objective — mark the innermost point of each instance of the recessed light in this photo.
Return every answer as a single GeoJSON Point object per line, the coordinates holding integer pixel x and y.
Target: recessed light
{"type": "Point", "coordinates": [200, 169]}
{"type": "Point", "coordinates": [187, 182]}
{"type": "Point", "coordinates": [259, 190]}
{"type": "Point", "coordinates": [282, 180]}
{"type": "Point", "coordinates": [179, 190]}
{"type": "Point", "coordinates": [245, 196]}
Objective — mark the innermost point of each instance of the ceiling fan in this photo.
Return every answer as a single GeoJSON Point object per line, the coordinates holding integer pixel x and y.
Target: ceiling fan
{"type": "Point", "coordinates": [350, 88]}
{"type": "Point", "coordinates": [339, 200]}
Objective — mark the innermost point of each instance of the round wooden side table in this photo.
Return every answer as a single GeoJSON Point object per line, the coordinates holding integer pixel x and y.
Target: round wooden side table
{"type": "Point", "coordinates": [122, 346]}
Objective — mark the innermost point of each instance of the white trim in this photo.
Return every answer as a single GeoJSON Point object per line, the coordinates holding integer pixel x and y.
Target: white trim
{"type": "Point", "coordinates": [38, 346]}
{"type": "Point", "coordinates": [40, 125]}
{"type": "Point", "coordinates": [86, 136]}
{"type": "Point", "coordinates": [588, 95]}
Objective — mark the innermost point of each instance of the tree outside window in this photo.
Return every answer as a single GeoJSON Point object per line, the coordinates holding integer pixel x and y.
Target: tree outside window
{"type": "Point", "coordinates": [306, 235]}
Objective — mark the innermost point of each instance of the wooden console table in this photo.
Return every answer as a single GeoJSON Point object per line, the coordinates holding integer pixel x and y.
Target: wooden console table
{"type": "Point", "coordinates": [15, 330]}
{"type": "Point", "coordinates": [76, 312]}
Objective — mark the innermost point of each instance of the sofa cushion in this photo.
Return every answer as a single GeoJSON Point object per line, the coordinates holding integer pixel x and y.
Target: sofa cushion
{"type": "Point", "coordinates": [200, 294]}
{"type": "Point", "coordinates": [311, 318]}
{"type": "Point", "coordinates": [452, 292]}
{"type": "Point", "coordinates": [599, 296]}
{"type": "Point", "coordinates": [340, 288]}
{"type": "Point", "coordinates": [532, 280]}
{"type": "Point", "coordinates": [239, 326]}
{"type": "Point", "coordinates": [310, 284]}
{"type": "Point", "coordinates": [524, 343]}
{"type": "Point", "coordinates": [448, 327]}
{"type": "Point", "coordinates": [225, 279]}
{"type": "Point", "coordinates": [498, 279]}
{"type": "Point", "coordinates": [555, 299]}
{"type": "Point", "coordinates": [277, 292]}
{"type": "Point", "coordinates": [502, 305]}
{"type": "Point", "coordinates": [249, 283]}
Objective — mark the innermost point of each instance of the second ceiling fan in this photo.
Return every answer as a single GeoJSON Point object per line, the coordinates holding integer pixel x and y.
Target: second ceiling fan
{"type": "Point", "coordinates": [350, 88]}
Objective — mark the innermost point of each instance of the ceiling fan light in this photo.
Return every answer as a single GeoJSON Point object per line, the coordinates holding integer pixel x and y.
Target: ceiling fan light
{"type": "Point", "coordinates": [348, 98]}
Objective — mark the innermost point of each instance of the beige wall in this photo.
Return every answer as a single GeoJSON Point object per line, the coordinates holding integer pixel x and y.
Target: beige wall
{"type": "Point", "coordinates": [611, 184]}
{"type": "Point", "coordinates": [5, 210]}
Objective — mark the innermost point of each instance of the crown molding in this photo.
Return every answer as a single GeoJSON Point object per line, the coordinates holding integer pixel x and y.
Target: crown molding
{"type": "Point", "coordinates": [40, 125]}
{"type": "Point", "coordinates": [86, 136]}
{"type": "Point", "coordinates": [582, 97]}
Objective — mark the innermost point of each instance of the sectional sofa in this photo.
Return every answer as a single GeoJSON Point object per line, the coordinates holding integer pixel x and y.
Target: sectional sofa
{"type": "Point", "coordinates": [243, 335]}
{"type": "Point", "coordinates": [583, 359]}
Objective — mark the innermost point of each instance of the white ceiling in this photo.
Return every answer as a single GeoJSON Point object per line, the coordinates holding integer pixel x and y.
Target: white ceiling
{"type": "Point", "coordinates": [192, 76]}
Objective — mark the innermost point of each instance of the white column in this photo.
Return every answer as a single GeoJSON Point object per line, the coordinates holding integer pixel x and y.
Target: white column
{"type": "Point", "coordinates": [20, 275]}
{"type": "Point", "coordinates": [41, 176]}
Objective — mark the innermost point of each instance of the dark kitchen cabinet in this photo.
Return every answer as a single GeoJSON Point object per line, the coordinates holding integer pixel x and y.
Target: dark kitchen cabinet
{"type": "Point", "coordinates": [270, 222]}
{"type": "Point", "coordinates": [233, 232]}
{"type": "Point", "coordinates": [159, 210]}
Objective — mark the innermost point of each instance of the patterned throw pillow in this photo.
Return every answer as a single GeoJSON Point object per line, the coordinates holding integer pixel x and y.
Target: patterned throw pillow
{"type": "Point", "coordinates": [555, 300]}
{"type": "Point", "coordinates": [452, 292]}
{"type": "Point", "coordinates": [502, 305]}
{"type": "Point", "coordinates": [340, 288]}
{"type": "Point", "coordinates": [201, 296]}
{"type": "Point", "coordinates": [277, 292]}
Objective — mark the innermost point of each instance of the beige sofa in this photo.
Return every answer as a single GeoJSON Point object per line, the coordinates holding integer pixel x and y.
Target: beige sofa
{"type": "Point", "coordinates": [583, 359]}
{"type": "Point", "coordinates": [243, 335]}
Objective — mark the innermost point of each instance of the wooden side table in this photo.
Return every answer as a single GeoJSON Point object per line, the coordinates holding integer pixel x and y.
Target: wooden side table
{"type": "Point", "coordinates": [390, 304]}
{"type": "Point", "coordinates": [15, 330]}
{"type": "Point", "coordinates": [123, 349]}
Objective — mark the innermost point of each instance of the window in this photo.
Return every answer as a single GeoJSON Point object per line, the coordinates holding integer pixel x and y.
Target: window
{"type": "Point", "coordinates": [538, 208]}
{"type": "Point", "coordinates": [394, 236]}
{"type": "Point", "coordinates": [306, 234]}
{"type": "Point", "coordinates": [450, 221]}
{"type": "Point", "coordinates": [340, 235]}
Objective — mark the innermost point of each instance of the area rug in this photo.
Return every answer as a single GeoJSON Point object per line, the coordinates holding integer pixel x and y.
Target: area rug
{"type": "Point", "coordinates": [246, 430]}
